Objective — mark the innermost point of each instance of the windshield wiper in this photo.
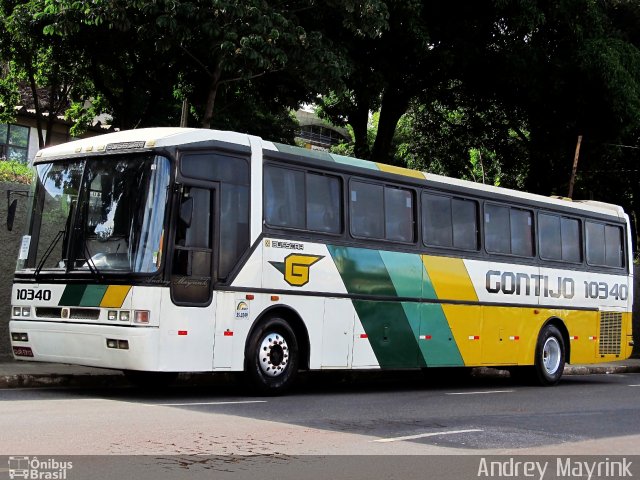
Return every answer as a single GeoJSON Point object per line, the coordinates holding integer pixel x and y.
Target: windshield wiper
{"type": "Point", "coordinates": [99, 277]}
{"type": "Point", "coordinates": [48, 251]}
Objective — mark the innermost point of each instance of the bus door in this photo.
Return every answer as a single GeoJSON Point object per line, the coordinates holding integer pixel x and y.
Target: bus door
{"type": "Point", "coordinates": [188, 309]}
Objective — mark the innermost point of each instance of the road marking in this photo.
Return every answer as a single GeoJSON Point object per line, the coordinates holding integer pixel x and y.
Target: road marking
{"type": "Point", "coordinates": [425, 435]}
{"type": "Point", "coordinates": [484, 392]}
{"type": "Point", "coordinates": [240, 402]}
{"type": "Point", "coordinates": [634, 385]}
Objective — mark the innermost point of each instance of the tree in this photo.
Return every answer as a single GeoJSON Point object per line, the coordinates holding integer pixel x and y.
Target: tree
{"type": "Point", "coordinates": [31, 60]}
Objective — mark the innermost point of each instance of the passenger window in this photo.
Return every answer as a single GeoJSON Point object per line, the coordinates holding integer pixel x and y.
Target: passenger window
{"type": "Point", "coordinates": [398, 206]}
{"type": "Point", "coordinates": [324, 203]}
{"type": "Point", "coordinates": [559, 238]}
{"type": "Point", "coordinates": [284, 197]}
{"type": "Point", "coordinates": [449, 222]}
{"type": "Point", "coordinates": [379, 212]}
{"type": "Point", "coordinates": [508, 230]}
{"type": "Point", "coordinates": [367, 210]}
{"type": "Point", "coordinates": [302, 200]}
{"type": "Point", "coordinates": [604, 245]}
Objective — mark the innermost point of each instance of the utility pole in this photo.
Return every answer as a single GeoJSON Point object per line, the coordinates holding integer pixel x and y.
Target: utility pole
{"type": "Point", "coordinates": [185, 113]}
{"type": "Point", "coordinates": [575, 167]}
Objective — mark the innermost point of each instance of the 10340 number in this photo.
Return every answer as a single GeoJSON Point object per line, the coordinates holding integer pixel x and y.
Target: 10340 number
{"type": "Point", "coordinates": [29, 294]}
{"type": "Point", "coordinates": [602, 290]}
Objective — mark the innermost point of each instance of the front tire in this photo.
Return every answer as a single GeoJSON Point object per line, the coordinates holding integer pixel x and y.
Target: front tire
{"type": "Point", "coordinates": [271, 357]}
{"type": "Point", "coordinates": [550, 356]}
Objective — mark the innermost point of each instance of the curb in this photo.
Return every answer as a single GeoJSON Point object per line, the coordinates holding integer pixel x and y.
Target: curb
{"type": "Point", "coordinates": [196, 379]}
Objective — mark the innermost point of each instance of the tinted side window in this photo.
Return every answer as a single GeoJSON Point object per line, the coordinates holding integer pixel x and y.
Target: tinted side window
{"type": "Point", "coordinates": [284, 197]}
{"type": "Point", "coordinates": [449, 222]}
{"type": "Point", "coordinates": [496, 229]}
{"type": "Point", "coordinates": [571, 245]}
{"type": "Point", "coordinates": [367, 210]}
{"type": "Point", "coordinates": [550, 237]}
{"type": "Point", "coordinates": [521, 232]}
{"type": "Point", "coordinates": [436, 220]}
{"type": "Point", "coordinates": [508, 230]}
{"type": "Point", "coordinates": [324, 203]}
{"type": "Point", "coordinates": [614, 253]}
{"type": "Point", "coordinates": [604, 245]}
{"type": "Point", "coordinates": [595, 243]}
{"type": "Point", "coordinates": [216, 167]}
{"type": "Point", "coordinates": [398, 206]}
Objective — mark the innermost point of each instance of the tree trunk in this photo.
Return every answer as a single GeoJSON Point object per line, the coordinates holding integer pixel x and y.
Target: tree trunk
{"type": "Point", "coordinates": [36, 103]}
{"type": "Point", "coordinates": [395, 102]}
{"type": "Point", "coordinates": [359, 120]}
{"type": "Point", "coordinates": [53, 112]}
{"type": "Point", "coordinates": [211, 97]}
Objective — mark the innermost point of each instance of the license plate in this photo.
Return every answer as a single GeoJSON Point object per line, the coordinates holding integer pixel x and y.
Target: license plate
{"type": "Point", "coordinates": [22, 351]}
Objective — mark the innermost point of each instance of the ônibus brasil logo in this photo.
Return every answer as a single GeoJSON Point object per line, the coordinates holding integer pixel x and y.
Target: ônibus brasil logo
{"type": "Point", "coordinates": [35, 469]}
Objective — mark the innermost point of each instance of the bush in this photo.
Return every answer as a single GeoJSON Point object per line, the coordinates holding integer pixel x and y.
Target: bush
{"type": "Point", "coordinates": [14, 171]}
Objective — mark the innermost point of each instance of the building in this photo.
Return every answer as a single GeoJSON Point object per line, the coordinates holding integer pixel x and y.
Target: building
{"type": "Point", "coordinates": [317, 134]}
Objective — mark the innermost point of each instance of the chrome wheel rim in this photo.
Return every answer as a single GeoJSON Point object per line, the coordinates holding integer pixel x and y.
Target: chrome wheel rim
{"type": "Point", "coordinates": [551, 354]}
{"type": "Point", "coordinates": [273, 356]}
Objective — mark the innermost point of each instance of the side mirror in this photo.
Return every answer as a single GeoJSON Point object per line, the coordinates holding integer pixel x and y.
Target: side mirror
{"type": "Point", "coordinates": [11, 214]}
{"type": "Point", "coordinates": [186, 211]}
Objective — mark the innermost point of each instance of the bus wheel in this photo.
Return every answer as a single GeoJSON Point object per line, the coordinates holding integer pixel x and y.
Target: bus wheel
{"type": "Point", "coordinates": [271, 359]}
{"type": "Point", "coordinates": [550, 355]}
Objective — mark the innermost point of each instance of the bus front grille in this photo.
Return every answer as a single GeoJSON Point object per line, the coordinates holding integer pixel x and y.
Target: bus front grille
{"type": "Point", "coordinates": [71, 313]}
{"type": "Point", "coordinates": [610, 333]}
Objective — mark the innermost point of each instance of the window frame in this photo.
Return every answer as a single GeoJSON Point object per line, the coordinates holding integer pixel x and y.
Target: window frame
{"type": "Point", "coordinates": [581, 237]}
{"type": "Point", "coordinates": [623, 243]}
{"type": "Point", "coordinates": [305, 172]}
{"type": "Point", "coordinates": [385, 185]}
{"type": "Point", "coordinates": [4, 142]}
{"type": "Point", "coordinates": [479, 240]}
{"type": "Point", "coordinates": [534, 230]}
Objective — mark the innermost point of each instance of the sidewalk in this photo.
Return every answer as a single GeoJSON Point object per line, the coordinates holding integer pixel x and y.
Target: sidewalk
{"type": "Point", "coordinates": [15, 374]}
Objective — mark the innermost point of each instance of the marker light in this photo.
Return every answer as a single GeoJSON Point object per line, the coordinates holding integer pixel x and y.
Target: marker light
{"type": "Point", "coordinates": [124, 316]}
{"type": "Point", "coordinates": [141, 316]}
{"type": "Point", "coordinates": [26, 311]}
{"type": "Point", "coordinates": [111, 343]}
{"type": "Point", "coordinates": [17, 311]}
{"type": "Point", "coordinates": [112, 315]}
{"type": "Point", "coordinates": [19, 337]}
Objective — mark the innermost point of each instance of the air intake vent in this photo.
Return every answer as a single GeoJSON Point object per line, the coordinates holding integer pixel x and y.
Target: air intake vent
{"type": "Point", "coordinates": [610, 333]}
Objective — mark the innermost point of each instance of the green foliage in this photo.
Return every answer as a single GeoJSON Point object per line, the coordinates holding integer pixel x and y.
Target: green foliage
{"type": "Point", "coordinates": [14, 171]}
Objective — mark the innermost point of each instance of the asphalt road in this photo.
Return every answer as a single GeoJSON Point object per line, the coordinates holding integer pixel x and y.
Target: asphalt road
{"type": "Point", "coordinates": [326, 415]}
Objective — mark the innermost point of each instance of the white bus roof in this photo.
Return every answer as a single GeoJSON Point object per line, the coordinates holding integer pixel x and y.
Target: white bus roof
{"type": "Point", "coordinates": [172, 136]}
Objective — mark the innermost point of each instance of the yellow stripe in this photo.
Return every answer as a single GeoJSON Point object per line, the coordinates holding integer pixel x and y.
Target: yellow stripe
{"type": "Point", "coordinates": [450, 278]}
{"type": "Point", "coordinates": [400, 171]}
{"type": "Point", "coordinates": [114, 296]}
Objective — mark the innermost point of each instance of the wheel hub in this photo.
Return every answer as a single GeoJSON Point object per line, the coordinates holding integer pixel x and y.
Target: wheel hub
{"type": "Point", "coordinates": [273, 355]}
{"type": "Point", "coordinates": [551, 354]}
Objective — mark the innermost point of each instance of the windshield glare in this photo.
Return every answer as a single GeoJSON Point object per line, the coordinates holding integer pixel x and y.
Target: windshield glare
{"type": "Point", "coordinates": [116, 206]}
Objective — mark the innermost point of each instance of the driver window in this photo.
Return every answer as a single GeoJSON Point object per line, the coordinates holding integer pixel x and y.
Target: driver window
{"type": "Point", "coordinates": [192, 260]}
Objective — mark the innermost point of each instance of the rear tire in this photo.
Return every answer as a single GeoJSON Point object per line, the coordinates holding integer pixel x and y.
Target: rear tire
{"type": "Point", "coordinates": [550, 356]}
{"type": "Point", "coordinates": [271, 357]}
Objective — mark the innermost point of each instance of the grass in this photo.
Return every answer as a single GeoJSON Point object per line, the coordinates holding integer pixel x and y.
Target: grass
{"type": "Point", "coordinates": [14, 171]}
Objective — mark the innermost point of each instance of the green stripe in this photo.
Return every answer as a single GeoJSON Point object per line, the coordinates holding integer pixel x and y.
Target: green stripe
{"type": "Point", "coordinates": [354, 162]}
{"type": "Point", "coordinates": [93, 295]}
{"type": "Point", "coordinates": [441, 349]}
{"type": "Point", "coordinates": [72, 295]}
{"type": "Point", "coordinates": [362, 271]}
{"type": "Point", "coordinates": [394, 328]}
{"type": "Point", "coordinates": [406, 272]}
{"type": "Point", "coordinates": [391, 335]}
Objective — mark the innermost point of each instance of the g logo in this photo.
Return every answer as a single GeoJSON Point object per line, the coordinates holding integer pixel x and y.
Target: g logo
{"type": "Point", "coordinates": [296, 268]}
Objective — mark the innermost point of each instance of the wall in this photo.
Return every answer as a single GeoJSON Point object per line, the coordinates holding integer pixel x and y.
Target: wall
{"type": "Point", "coordinates": [9, 246]}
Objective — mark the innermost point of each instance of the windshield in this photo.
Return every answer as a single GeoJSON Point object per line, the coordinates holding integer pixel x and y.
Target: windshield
{"type": "Point", "coordinates": [101, 214]}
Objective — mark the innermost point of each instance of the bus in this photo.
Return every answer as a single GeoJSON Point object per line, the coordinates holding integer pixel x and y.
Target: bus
{"type": "Point", "coordinates": [167, 250]}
